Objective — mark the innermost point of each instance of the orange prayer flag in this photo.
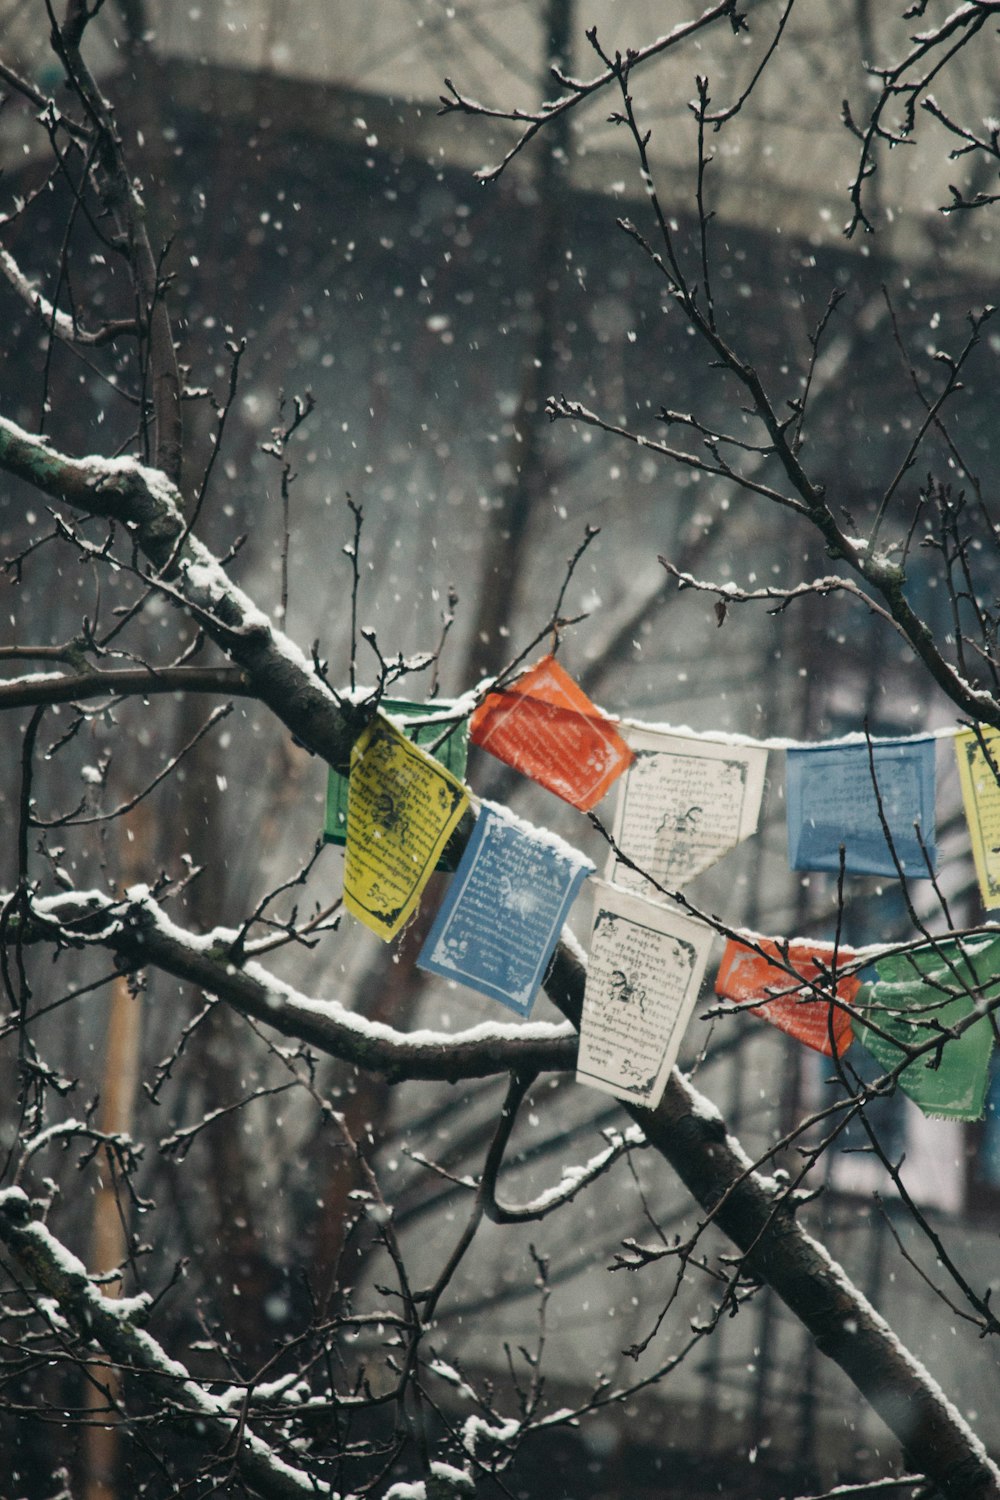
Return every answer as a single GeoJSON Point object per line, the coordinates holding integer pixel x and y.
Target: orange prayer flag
{"type": "Point", "coordinates": [746, 975]}
{"type": "Point", "coordinates": [547, 728]}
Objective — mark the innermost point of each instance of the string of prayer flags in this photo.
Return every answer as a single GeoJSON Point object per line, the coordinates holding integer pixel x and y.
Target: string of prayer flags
{"type": "Point", "coordinates": [643, 976]}
{"type": "Point", "coordinates": [776, 980]}
{"type": "Point", "coordinates": [832, 801]}
{"type": "Point", "coordinates": [505, 908]}
{"type": "Point", "coordinates": [915, 998]}
{"type": "Point", "coordinates": [448, 743]}
{"type": "Point", "coordinates": [403, 807]}
{"type": "Point", "coordinates": [682, 804]}
{"type": "Point", "coordinates": [546, 727]}
{"type": "Point", "coordinates": [981, 796]}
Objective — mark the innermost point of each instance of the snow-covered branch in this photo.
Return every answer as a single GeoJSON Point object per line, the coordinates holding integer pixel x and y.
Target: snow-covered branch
{"type": "Point", "coordinates": [62, 325]}
{"type": "Point", "coordinates": [573, 1181]}
{"type": "Point", "coordinates": [73, 687]}
{"type": "Point", "coordinates": [55, 1272]}
{"type": "Point", "coordinates": [144, 500]}
{"type": "Point", "coordinates": [140, 933]}
{"type": "Point", "coordinates": [902, 85]}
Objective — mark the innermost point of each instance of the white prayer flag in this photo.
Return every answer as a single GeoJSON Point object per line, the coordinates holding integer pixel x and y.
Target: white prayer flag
{"type": "Point", "coordinates": [645, 970]}
{"type": "Point", "coordinates": [682, 804]}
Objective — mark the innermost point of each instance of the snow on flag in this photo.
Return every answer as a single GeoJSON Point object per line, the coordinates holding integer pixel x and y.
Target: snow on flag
{"type": "Point", "coordinates": [682, 804]}
{"type": "Point", "coordinates": [916, 997]}
{"type": "Point", "coordinates": [448, 743]}
{"type": "Point", "coordinates": [505, 909]}
{"type": "Point", "coordinates": [645, 969]}
{"type": "Point", "coordinates": [402, 809]}
{"type": "Point", "coordinates": [978, 769]}
{"type": "Point", "coordinates": [788, 983]}
{"type": "Point", "coordinates": [832, 800]}
{"type": "Point", "coordinates": [547, 728]}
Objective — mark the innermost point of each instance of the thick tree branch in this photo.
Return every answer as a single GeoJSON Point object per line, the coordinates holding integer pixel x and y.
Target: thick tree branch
{"type": "Point", "coordinates": [754, 1210]}
{"type": "Point", "coordinates": [123, 682]}
{"type": "Point", "coordinates": [142, 936]}
{"type": "Point", "coordinates": [758, 1215]}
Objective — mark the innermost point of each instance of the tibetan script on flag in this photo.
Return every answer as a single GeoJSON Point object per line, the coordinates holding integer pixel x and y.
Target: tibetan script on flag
{"type": "Point", "coordinates": [402, 809]}
{"type": "Point", "coordinates": [547, 728]}
{"type": "Point", "coordinates": [428, 727]}
{"type": "Point", "coordinates": [643, 976]}
{"type": "Point", "coordinates": [832, 800]}
{"type": "Point", "coordinates": [682, 804]}
{"type": "Point", "coordinates": [917, 994]}
{"type": "Point", "coordinates": [791, 986]}
{"type": "Point", "coordinates": [981, 796]}
{"type": "Point", "coordinates": [505, 909]}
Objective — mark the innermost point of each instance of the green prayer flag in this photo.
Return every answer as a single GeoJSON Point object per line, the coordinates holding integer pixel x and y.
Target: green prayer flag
{"type": "Point", "coordinates": [918, 993]}
{"type": "Point", "coordinates": [452, 752]}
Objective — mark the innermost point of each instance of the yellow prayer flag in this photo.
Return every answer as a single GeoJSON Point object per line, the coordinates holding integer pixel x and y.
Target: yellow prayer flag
{"type": "Point", "coordinates": [402, 808]}
{"type": "Point", "coordinates": [981, 795]}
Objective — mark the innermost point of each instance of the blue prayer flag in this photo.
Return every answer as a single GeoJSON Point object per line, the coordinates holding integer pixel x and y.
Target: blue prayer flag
{"type": "Point", "coordinates": [832, 800]}
{"type": "Point", "coordinates": [504, 909]}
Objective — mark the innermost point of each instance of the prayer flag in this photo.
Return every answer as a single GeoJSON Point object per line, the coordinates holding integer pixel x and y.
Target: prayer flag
{"type": "Point", "coordinates": [789, 987]}
{"type": "Point", "coordinates": [643, 976]}
{"type": "Point", "coordinates": [448, 743]}
{"type": "Point", "coordinates": [916, 997]}
{"type": "Point", "coordinates": [547, 728]}
{"type": "Point", "coordinates": [981, 796]}
{"type": "Point", "coordinates": [402, 809]}
{"type": "Point", "coordinates": [505, 909]}
{"type": "Point", "coordinates": [682, 804]}
{"type": "Point", "coordinates": [989, 1144]}
{"type": "Point", "coordinates": [832, 800]}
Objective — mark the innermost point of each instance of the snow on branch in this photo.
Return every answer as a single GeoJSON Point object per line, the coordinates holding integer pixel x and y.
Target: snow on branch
{"type": "Point", "coordinates": [55, 1272]}
{"type": "Point", "coordinates": [779, 597]}
{"type": "Point", "coordinates": [573, 1180]}
{"type": "Point", "coordinates": [62, 325]}
{"type": "Point", "coordinates": [72, 687]}
{"type": "Point", "coordinates": [150, 505]}
{"type": "Point", "coordinates": [903, 85]}
{"type": "Point", "coordinates": [140, 932]}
